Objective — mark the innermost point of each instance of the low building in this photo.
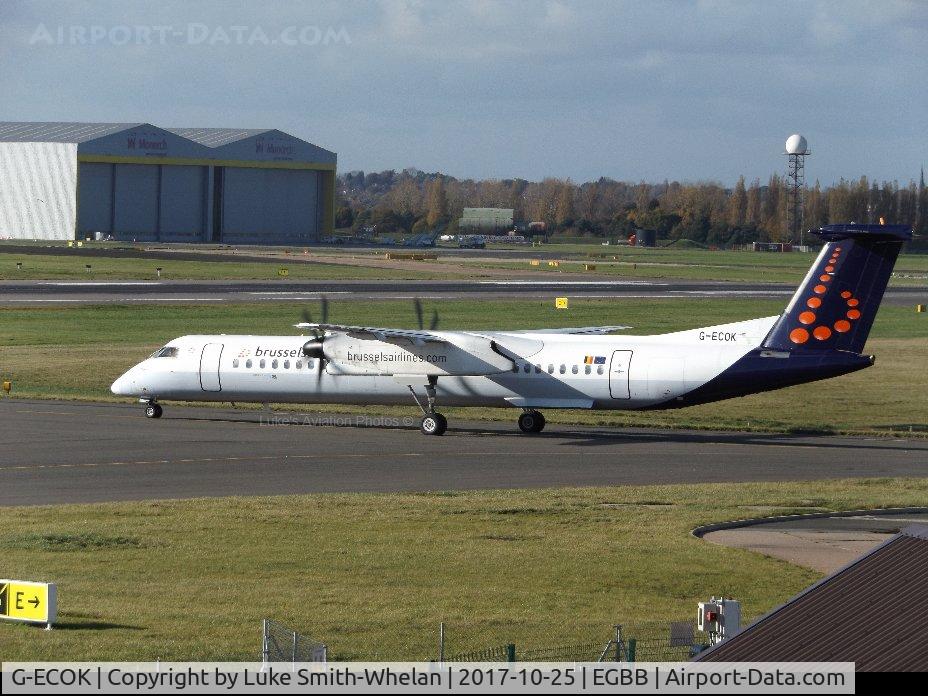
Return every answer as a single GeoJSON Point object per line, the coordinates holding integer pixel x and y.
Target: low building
{"type": "Point", "coordinates": [486, 220]}
{"type": "Point", "coordinates": [873, 612]}
{"type": "Point", "coordinates": [137, 181]}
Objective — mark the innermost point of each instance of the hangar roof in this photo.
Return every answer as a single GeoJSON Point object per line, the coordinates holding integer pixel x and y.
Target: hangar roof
{"type": "Point", "coordinates": [249, 144]}
{"type": "Point", "coordinates": [873, 612]}
{"type": "Point", "coordinates": [216, 137]}
{"type": "Point", "coordinates": [58, 131]}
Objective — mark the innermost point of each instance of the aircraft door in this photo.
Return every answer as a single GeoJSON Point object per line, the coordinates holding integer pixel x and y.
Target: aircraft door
{"type": "Point", "coordinates": [618, 374]}
{"type": "Point", "coordinates": [209, 367]}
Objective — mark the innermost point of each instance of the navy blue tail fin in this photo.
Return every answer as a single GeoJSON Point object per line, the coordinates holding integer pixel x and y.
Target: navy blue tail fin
{"type": "Point", "coordinates": [836, 304]}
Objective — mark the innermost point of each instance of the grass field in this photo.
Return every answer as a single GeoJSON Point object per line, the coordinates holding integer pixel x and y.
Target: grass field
{"type": "Point", "coordinates": [373, 575]}
{"type": "Point", "coordinates": [63, 267]}
{"type": "Point", "coordinates": [77, 352]}
{"type": "Point", "coordinates": [355, 263]}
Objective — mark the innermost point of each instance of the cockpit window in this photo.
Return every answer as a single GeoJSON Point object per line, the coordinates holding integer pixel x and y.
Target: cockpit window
{"type": "Point", "coordinates": [166, 352]}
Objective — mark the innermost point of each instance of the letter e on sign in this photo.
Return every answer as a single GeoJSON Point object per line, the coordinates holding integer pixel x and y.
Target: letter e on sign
{"type": "Point", "coordinates": [30, 602]}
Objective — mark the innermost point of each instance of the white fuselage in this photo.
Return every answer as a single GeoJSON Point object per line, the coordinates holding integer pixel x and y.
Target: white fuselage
{"type": "Point", "coordinates": [531, 370]}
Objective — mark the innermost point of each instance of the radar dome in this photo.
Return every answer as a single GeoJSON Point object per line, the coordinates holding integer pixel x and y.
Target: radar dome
{"type": "Point", "coordinates": [796, 145]}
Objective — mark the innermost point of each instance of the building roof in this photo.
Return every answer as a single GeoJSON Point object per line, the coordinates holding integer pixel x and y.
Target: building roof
{"type": "Point", "coordinates": [873, 612]}
{"type": "Point", "coordinates": [58, 131]}
{"type": "Point", "coordinates": [216, 137]}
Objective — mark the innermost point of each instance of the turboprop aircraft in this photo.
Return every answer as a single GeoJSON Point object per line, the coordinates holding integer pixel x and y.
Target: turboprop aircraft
{"type": "Point", "coordinates": [821, 334]}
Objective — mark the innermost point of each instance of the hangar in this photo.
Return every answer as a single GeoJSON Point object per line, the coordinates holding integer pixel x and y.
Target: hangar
{"type": "Point", "coordinates": [140, 182]}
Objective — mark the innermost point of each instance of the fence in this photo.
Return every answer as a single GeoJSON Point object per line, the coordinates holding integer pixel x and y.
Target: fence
{"type": "Point", "coordinates": [671, 642]}
{"type": "Point", "coordinates": [280, 644]}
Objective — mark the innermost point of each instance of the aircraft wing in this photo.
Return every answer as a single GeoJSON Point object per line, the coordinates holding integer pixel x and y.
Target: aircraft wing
{"type": "Point", "coordinates": [417, 336]}
{"type": "Point", "coordinates": [579, 331]}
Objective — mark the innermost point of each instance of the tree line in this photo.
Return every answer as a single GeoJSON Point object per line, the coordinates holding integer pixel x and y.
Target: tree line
{"type": "Point", "coordinates": [412, 201]}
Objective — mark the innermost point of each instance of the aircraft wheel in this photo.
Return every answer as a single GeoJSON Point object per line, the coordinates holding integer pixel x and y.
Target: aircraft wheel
{"type": "Point", "coordinates": [531, 422]}
{"type": "Point", "coordinates": [434, 424]}
{"type": "Point", "coordinates": [153, 411]}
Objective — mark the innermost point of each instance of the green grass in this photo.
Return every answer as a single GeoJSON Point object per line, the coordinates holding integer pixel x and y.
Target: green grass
{"type": "Point", "coordinates": [696, 264]}
{"type": "Point", "coordinates": [624, 262]}
{"type": "Point", "coordinates": [64, 267]}
{"type": "Point", "coordinates": [373, 575]}
{"type": "Point", "coordinates": [77, 352]}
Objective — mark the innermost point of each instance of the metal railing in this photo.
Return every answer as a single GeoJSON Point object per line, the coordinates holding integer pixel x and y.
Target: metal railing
{"type": "Point", "coordinates": [281, 644]}
{"type": "Point", "coordinates": [665, 642]}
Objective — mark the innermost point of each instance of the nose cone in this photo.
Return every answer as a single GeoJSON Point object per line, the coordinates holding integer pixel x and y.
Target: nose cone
{"type": "Point", "coordinates": [121, 386]}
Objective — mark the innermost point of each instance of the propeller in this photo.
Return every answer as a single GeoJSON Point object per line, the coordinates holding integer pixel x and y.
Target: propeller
{"type": "Point", "coordinates": [314, 348]}
{"type": "Point", "coordinates": [420, 317]}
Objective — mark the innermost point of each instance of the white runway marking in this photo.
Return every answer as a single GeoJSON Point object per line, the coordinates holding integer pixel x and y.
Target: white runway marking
{"type": "Point", "coordinates": [115, 283]}
{"type": "Point", "coordinates": [568, 282]}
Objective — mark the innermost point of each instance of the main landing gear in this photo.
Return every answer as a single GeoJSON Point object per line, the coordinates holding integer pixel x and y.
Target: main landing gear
{"type": "Point", "coordinates": [531, 421]}
{"type": "Point", "coordinates": [152, 409]}
{"type": "Point", "coordinates": [433, 423]}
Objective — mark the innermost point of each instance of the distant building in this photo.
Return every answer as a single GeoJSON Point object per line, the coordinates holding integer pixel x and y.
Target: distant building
{"type": "Point", "coordinates": [136, 181]}
{"type": "Point", "coordinates": [488, 220]}
{"type": "Point", "coordinates": [872, 612]}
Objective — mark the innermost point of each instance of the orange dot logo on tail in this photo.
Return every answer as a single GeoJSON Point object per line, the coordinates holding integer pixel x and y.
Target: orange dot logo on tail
{"type": "Point", "coordinates": [822, 333]}
{"type": "Point", "coordinates": [842, 326]}
{"type": "Point", "coordinates": [853, 302]}
{"type": "Point", "coordinates": [799, 336]}
{"type": "Point", "coordinates": [807, 317]}
{"type": "Point", "coordinates": [853, 314]}
{"type": "Point", "coordinates": [846, 294]}
{"type": "Point", "coordinates": [814, 302]}
{"type": "Point", "coordinates": [820, 289]}
{"type": "Point", "coordinates": [824, 278]}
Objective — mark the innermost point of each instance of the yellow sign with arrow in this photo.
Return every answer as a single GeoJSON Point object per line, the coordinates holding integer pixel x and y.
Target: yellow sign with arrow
{"type": "Point", "coordinates": [32, 602]}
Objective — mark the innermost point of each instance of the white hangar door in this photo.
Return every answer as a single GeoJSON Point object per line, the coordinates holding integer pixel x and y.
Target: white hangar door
{"type": "Point", "coordinates": [94, 198]}
{"type": "Point", "coordinates": [209, 367]}
{"type": "Point", "coordinates": [262, 204]}
{"type": "Point", "coordinates": [182, 205]}
{"type": "Point", "coordinates": [135, 213]}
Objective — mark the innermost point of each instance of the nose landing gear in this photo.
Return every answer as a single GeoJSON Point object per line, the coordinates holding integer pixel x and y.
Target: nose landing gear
{"type": "Point", "coordinates": [531, 422]}
{"type": "Point", "coordinates": [152, 409]}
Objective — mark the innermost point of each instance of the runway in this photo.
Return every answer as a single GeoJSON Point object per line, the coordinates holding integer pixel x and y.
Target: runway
{"type": "Point", "coordinates": [65, 452]}
{"type": "Point", "coordinates": [41, 293]}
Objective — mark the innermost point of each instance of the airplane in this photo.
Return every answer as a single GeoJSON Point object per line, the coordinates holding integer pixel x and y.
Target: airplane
{"type": "Point", "coordinates": [820, 334]}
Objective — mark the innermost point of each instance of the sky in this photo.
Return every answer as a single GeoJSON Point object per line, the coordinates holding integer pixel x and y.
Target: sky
{"type": "Point", "coordinates": [701, 90]}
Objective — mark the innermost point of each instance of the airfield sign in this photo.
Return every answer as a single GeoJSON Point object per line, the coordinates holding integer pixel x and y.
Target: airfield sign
{"type": "Point", "coordinates": [31, 602]}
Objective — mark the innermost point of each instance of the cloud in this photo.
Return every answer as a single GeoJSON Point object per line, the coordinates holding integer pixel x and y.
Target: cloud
{"type": "Point", "coordinates": [689, 90]}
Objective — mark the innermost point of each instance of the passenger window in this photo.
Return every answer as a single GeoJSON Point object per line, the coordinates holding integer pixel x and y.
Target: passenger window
{"type": "Point", "coordinates": [262, 364]}
{"type": "Point", "coordinates": [310, 364]}
{"type": "Point", "coordinates": [588, 369]}
{"type": "Point", "coordinates": [527, 368]}
{"type": "Point", "coordinates": [563, 369]}
{"type": "Point", "coordinates": [574, 370]}
{"type": "Point", "coordinates": [599, 370]}
{"type": "Point", "coordinates": [537, 369]}
{"type": "Point", "coordinates": [550, 369]}
{"type": "Point", "coordinates": [274, 364]}
{"type": "Point", "coordinates": [299, 364]}
{"type": "Point", "coordinates": [235, 363]}
{"type": "Point", "coordinates": [286, 364]}
{"type": "Point", "coordinates": [248, 363]}
{"type": "Point", "coordinates": [515, 367]}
